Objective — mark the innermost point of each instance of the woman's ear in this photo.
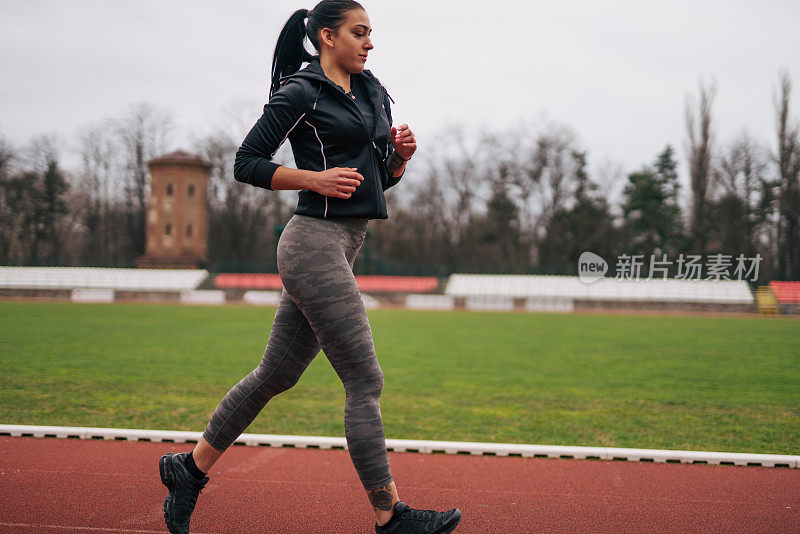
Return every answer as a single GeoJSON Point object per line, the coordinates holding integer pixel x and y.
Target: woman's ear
{"type": "Point", "coordinates": [327, 36]}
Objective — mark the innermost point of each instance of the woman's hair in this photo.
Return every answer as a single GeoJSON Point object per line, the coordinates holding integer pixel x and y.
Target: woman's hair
{"type": "Point", "coordinates": [290, 52]}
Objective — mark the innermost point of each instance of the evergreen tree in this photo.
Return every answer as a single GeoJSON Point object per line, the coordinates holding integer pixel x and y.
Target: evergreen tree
{"type": "Point", "coordinates": [54, 207]}
{"type": "Point", "coordinates": [652, 217]}
{"type": "Point", "coordinates": [501, 233]}
{"type": "Point", "coordinates": [586, 226]}
{"type": "Point", "coordinates": [675, 238]}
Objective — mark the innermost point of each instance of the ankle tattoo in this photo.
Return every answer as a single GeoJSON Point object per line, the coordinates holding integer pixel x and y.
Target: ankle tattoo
{"type": "Point", "coordinates": [381, 498]}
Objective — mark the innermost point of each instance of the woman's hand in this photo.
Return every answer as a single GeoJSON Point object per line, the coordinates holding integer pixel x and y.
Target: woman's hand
{"type": "Point", "coordinates": [337, 182]}
{"type": "Point", "coordinates": [403, 141]}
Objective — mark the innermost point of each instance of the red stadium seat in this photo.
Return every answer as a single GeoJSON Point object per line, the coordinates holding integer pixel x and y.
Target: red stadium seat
{"type": "Point", "coordinates": [248, 281]}
{"type": "Point", "coordinates": [399, 284]}
{"type": "Point", "coordinates": [374, 283]}
{"type": "Point", "coordinates": [786, 292]}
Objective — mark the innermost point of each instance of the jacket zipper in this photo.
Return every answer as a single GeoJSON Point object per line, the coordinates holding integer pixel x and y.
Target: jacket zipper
{"type": "Point", "coordinates": [381, 170]}
{"type": "Point", "coordinates": [324, 162]}
{"type": "Point", "coordinates": [339, 90]}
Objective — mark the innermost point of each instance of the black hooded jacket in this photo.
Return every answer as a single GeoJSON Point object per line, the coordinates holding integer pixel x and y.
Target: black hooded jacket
{"type": "Point", "coordinates": [326, 129]}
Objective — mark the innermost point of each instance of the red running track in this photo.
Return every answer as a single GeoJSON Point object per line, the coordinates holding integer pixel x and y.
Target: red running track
{"type": "Point", "coordinates": [74, 485]}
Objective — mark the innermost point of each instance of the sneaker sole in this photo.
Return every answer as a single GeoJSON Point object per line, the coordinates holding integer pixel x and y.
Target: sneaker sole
{"type": "Point", "coordinates": [450, 525]}
{"type": "Point", "coordinates": [166, 478]}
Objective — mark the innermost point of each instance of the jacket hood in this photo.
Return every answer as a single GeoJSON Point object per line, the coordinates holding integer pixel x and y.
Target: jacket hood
{"type": "Point", "coordinates": [313, 71]}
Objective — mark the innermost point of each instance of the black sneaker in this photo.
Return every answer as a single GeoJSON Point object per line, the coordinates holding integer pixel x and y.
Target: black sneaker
{"type": "Point", "coordinates": [183, 491]}
{"type": "Point", "coordinates": [407, 520]}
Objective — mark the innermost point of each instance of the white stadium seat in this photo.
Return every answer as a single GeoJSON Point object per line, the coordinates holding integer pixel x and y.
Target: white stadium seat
{"type": "Point", "coordinates": [202, 296]}
{"type": "Point", "coordinates": [92, 295]}
{"type": "Point", "coordinates": [489, 303]}
{"type": "Point", "coordinates": [572, 288]}
{"type": "Point", "coordinates": [429, 302]}
{"type": "Point", "coordinates": [370, 302]}
{"type": "Point", "coordinates": [100, 278]}
{"type": "Point", "coordinates": [262, 298]}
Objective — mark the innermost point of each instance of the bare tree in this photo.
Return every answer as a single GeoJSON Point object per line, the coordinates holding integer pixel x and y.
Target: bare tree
{"type": "Point", "coordinates": [788, 160]}
{"type": "Point", "coordinates": [71, 230]}
{"type": "Point", "coordinates": [49, 187]}
{"type": "Point", "coordinates": [519, 153]}
{"type": "Point", "coordinates": [144, 133]}
{"type": "Point", "coordinates": [699, 147]}
{"type": "Point", "coordinates": [739, 180]}
{"type": "Point", "coordinates": [241, 217]}
{"type": "Point", "coordinates": [552, 166]}
{"type": "Point", "coordinates": [455, 156]}
{"type": "Point", "coordinates": [610, 182]}
{"type": "Point", "coordinates": [7, 216]}
{"type": "Point", "coordinates": [740, 167]}
{"type": "Point", "coordinates": [6, 156]}
{"type": "Point", "coordinates": [98, 150]}
{"type": "Point", "coordinates": [418, 234]}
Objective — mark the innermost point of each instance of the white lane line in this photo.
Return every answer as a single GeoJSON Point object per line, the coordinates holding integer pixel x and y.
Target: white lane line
{"type": "Point", "coordinates": [75, 527]}
{"type": "Point", "coordinates": [420, 446]}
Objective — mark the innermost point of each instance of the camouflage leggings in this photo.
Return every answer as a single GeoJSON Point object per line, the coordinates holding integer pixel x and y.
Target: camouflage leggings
{"type": "Point", "coordinates": [320, 307]}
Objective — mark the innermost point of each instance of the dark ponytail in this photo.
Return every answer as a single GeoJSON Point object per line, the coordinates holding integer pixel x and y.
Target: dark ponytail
{"type": "Point", "coordinates": [289, 50]}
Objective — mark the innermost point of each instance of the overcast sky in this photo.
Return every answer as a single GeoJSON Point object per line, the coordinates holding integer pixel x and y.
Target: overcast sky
{"type": "Point", "coordinates": [617, 72]}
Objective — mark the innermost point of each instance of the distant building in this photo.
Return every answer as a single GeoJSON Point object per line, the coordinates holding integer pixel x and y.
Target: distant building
{"type": "Point", "coordinates": [177, 212]}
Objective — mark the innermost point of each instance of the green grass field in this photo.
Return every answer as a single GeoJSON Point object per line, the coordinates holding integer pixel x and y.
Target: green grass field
{"type": "Point", "coordinates": [666, 382]}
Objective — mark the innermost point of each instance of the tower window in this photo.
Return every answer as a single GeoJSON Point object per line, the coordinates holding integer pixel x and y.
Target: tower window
{"type": "Point", "coordinates": [169, 189]}
{"type": "Point", "coordinates": [191, 190]}
{"type": "Point", "coordinates": [169, 229]}
{"type": "Point", "coordinates": [188, 230]}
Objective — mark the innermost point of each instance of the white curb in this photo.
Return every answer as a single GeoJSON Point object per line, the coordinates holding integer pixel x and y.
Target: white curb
{"type": "Point", "coordinates": [410, 445]}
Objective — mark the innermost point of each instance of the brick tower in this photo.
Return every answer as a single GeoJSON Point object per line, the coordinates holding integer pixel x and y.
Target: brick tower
{"type": "Point", "coordinates": [177, 212]}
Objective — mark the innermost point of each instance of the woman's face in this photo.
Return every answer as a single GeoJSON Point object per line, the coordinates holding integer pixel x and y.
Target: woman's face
{"type": "Point", "coordinates": [353, 42]}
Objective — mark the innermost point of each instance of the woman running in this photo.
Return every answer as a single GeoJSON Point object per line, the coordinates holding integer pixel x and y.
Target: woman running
{"type": "Point", "coordinates": [337, 118]}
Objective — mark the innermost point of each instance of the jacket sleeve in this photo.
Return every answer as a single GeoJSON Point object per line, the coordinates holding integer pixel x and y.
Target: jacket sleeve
{"type": "Point", "coordinates": [253, 164]}
{"type": "Point", "coordinates": [392, 179]}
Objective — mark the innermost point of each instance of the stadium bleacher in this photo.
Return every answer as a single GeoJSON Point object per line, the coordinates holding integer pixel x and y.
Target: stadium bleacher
{"type": "Point", "coordinates": [767, 303]}
{"type": "Point", "coordinates": [247, 281]}
{"type": "Point", "coordinates": [371, 283]}
{"type": "Point", "coordinates": [498, 292]}
{"type": "Point", "coordinates": [262, 298]}
{"type": "Point", "coordinates": [429, 302]}
{"type": "Point", "coordinates": [786, 292]}
{"type": "Point", "coordinates": [607, 289]}
{"type": "Point", "coordinates": [787, 295]}
{"type": "Point", "coordinates": [101, 277]}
